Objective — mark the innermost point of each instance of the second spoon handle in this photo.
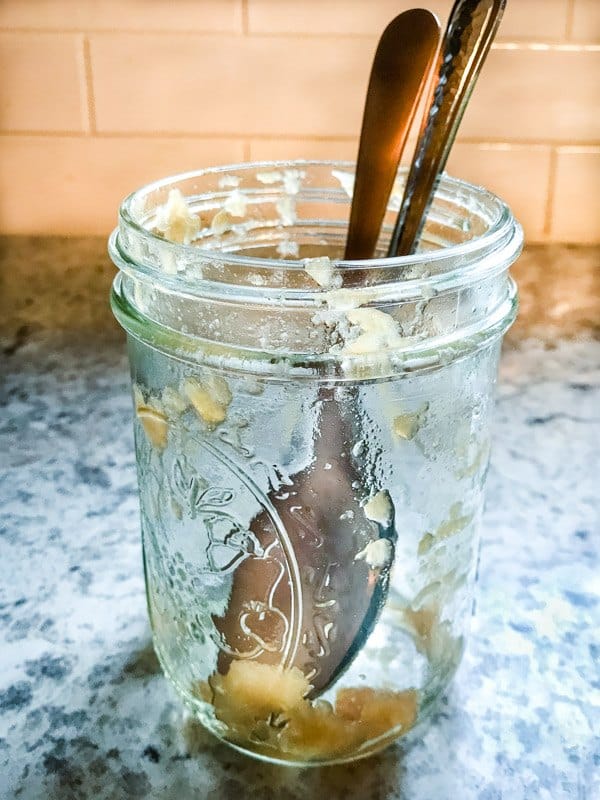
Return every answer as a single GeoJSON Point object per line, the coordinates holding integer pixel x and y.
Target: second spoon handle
{"type": "Point", "coordinates": [469, 34]}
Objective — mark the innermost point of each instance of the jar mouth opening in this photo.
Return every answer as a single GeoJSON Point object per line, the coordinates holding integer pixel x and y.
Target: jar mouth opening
{"type": "Point", "coordinates": [227, 295]}
{"type": "Point", "coordinates": [138, 244]}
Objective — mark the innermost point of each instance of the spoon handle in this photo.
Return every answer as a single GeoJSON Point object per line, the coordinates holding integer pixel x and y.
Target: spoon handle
{"type": "Point", "coordinates": [401, 69]}
{"type": "Point", "coordinates": [468, 37]}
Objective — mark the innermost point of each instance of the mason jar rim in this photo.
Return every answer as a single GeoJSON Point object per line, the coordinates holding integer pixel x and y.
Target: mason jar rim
{"type": "Point", "coordinates": [158, 278]}
{"type": "Point", "coordinates": [503, 239]}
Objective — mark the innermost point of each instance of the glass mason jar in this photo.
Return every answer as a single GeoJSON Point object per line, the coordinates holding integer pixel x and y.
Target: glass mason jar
{"type": "Point", "coordinates": [312, 439]}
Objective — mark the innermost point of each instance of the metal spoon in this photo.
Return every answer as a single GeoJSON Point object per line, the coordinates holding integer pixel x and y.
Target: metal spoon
{"type": "Point", "coordinates": [400, 72]}
{"type": "Point", "coordinates": [471, 28]}
{"type": "Point", "coordinates": [293, 602]}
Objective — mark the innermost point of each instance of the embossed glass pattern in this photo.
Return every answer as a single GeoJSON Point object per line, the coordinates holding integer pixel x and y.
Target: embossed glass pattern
{"type": "Point", "coordinates": [311, 457]}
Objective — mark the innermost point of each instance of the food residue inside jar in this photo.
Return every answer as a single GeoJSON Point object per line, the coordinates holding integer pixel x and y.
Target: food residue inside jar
{"type": "Point", "coordinates": [210, 396]}
{"type": "Point", "coordinates": [379, 508]}
{"type": "Point", "coordinates": [235, 204]}
{"type": "Point", "coordinates": [155, 425]}
{"type": "Point", "coordinates": [175, 220]}
{"type": "Point", "coordinates": [173, 403]}
{"type": "Point", "coordinates": [268, 178]}
{"type": "Point", "coordinates": [432, 635]}
{"type": "Point", "coordinates": [269, 706]}
{"type": "Point", "coordinates": [221, 222]}
{"type": "Point", "coordinates": [406, 426]}
{"type": "Point", "coordinates": [456, 522]}
{"type": "Point", "coordinates": [286, 208]}
{"type": "Point", "coordinates": [345, 179]}
{"type": "Point", "coordinates": [227, 181]}
{"type": "Point", "coordinates": [157, 411]}
{"type": "Point", "coordinates": [378, 554]}
{"type": "Point", "coordinates": [378, 332]}
{"type": "Point", "coordinates": [152, 418]}
{"type": "Point", "coordinates": [323, 272]}
{"type": "Point", "coordinates": [288, 248]}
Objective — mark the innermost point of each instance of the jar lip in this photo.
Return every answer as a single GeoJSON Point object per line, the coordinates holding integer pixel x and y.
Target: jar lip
{"type": "Point", "coordinates": [502, 228]}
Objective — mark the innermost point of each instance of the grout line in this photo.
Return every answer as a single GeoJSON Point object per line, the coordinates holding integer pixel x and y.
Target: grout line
{"type": "Point", "coordinates": [570, 19]}
{"type": "Point", "coordinates": [592, 149]}
{"type": "Point", "coordinates": [501, 44]}
{"type": "Point", "coordinates": [44, 134]}
{"type": "Point", "coordinates": [508, 144]}
{"type": "Point", "coordinates": [124, 31]}
{"type": "Point", "coordinates": [84, 114]}
{"type": "Point", "coordinates": [548, 46]}
{"type": "Point", "coordinates": [89, 85]}
{"type": "Point", "coordinates": [160, 134]}
{"type": "Point", "coordinates": [261, 137]}
{"type": "Point", "coordinates": [292, 137]}
{"type": "Point", "coordinates": [529, 143]}
{"type": "Point", "coordinates": [549, 212]}
{"type": "Point", "coordinates": [245, 18]}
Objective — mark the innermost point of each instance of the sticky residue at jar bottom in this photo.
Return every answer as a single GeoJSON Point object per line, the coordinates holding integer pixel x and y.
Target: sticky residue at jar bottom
{"type": "Point", "coordinates": [267, 706]}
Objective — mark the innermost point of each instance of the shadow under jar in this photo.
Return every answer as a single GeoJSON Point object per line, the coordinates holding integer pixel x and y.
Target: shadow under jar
{"type": "Point", "coordinates": [312, 439]}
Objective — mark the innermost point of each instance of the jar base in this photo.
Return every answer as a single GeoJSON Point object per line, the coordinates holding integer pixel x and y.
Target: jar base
{"type": "Point", "coordinates": [403, 740]}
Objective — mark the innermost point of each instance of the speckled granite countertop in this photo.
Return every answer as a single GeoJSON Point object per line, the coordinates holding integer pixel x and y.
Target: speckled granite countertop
{"type": "Point", "coordinates": [84, 711]}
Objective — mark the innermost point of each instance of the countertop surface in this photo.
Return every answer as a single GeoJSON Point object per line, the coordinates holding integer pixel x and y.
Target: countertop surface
{"type": "Point", "coordinates": [84, 709]}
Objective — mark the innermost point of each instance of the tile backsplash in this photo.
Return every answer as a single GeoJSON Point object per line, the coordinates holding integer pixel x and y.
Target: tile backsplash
{"type": "Point", "coordinates": [100, 96]}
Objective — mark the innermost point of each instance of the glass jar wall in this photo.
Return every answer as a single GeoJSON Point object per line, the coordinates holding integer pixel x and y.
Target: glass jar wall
{"type": "Point", "coordinates": [312, 439]}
